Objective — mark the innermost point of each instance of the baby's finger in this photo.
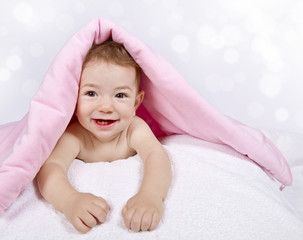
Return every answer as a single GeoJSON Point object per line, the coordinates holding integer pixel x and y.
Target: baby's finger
{"type": "Point", "coordinates": [146, 220]}
{"type": "Point", "coordinates": [102, 203]}
{"type": "Point", "coordinates": [89, 220]}
{"type": "Point", "coordinates": [136, 220]}
{"type": "Point", "coordinates": [80, 226]}
{"type": "Point", "coordinates": [98, 212]}
{"type": "Point", "coordinates": [127, 216]}
{"type": "Point", "coordinates": [155, 221]}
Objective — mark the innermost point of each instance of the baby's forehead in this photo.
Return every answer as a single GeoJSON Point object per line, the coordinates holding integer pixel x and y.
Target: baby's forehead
{"type": "Point", "coordinates": [102, 63]}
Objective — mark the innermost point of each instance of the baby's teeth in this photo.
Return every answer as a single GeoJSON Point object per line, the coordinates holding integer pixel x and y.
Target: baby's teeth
{"type": "Point", "coordinates": [104, 122]}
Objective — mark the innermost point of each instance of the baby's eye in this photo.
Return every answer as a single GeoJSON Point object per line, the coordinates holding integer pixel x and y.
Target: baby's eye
{"type": "Point", "coordinates": [91, 94]}
{"type": "Point", "coordinates": [121, 95]}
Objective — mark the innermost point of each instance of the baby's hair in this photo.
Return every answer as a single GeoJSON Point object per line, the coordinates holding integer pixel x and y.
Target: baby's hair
{"type": "Point", "coordinates": [112, 52]}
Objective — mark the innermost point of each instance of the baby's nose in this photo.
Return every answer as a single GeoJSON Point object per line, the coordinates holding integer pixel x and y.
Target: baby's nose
{"type": "Point", "coordinates": [105, 105]}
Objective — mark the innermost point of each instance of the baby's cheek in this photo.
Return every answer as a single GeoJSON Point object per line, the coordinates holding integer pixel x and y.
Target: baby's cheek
{"type": "Point", "coordinates": [128, 112]}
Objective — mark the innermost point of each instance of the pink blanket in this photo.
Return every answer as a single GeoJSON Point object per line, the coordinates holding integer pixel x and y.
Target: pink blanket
{"type": "Point", "coordinates": [170, 106]}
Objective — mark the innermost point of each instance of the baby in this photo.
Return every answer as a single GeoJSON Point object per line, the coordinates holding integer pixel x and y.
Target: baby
{"type": "Point", "coordinates": [107, 129]}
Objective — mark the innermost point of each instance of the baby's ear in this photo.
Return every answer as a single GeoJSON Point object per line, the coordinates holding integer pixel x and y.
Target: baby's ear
{"type": "Point", "coordinates": [139, 99]}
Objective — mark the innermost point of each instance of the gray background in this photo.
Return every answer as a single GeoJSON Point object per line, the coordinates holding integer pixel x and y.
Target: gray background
{"type": "Point", "coordinates": [243, 56]}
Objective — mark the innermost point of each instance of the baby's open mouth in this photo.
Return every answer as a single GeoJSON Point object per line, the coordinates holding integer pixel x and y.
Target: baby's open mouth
{"type": "Point", "coordinates": [105, 122]}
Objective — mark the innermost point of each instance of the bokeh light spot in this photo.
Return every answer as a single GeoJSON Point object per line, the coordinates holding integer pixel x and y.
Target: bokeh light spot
{"type": "Point", "coordinates": [231, 56]}
{"type": "Point", "coordinates": [271, 53]}
{"type": "Point", "coordinates": [260, 23]}
{"type": "Point", "coordinates": [5, 74]}
{"type": "Point", "coordinates": [14, 62]}
{"type": "Point", "coordinates": [281, 114]}
{"type": "Point", "coordinates": [270, 85]}
{"type": "Point", "coordinates": [231, 35]}
{"type": "Point", "coordinates": [23, 12]}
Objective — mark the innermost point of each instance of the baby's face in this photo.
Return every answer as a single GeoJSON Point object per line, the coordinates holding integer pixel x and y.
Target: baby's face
{"type": "Point", "coordinates": [107, 100]}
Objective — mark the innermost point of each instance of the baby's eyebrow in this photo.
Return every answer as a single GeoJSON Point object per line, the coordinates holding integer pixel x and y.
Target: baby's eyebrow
{"type": "Point", "coordinates": [90, 85]}
{"type": "Point", "coordinates": [124, 88]}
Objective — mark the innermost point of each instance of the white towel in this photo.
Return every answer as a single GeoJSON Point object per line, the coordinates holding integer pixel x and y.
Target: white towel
{"type": "Point", "coordinates": [216, 194]}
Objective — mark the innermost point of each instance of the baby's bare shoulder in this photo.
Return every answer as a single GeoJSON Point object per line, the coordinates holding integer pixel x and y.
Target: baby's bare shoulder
{"type": "Point", "coordinates": [139, 129]}
{"type": "Point", "coordinates": [138, 122]}
{"type": "Point", "coordinates": [67, 147]}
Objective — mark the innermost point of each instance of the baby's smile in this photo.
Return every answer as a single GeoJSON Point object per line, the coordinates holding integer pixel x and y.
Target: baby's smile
{"type": "Point", "coordinates": [104, 123]}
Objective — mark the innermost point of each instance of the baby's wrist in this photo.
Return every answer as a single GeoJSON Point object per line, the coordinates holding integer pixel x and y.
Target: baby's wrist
{"type": "Point", "coordinates": [65, 202]}
{"type": "Point", "coordinates": [154, 193]}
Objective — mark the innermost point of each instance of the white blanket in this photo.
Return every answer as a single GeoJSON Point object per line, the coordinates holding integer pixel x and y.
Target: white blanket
{"type": "Point", "coordinates": [216, 194]}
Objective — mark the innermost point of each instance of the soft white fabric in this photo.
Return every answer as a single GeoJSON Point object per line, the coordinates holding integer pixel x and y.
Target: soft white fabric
{"type": "Point", "coordinates": [290, 144]}
{"type": "Point", "coordinates": [216, 194]}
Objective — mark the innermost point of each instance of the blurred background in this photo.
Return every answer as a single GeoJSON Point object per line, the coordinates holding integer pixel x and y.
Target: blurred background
{"type": "Point", "coordinates": [243, 56]}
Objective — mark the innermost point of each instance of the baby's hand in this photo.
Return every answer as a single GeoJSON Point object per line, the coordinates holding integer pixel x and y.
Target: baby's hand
{"type": "Point", "coordinates": [143, 211]}
{"type": "Point", "coordinates": [85, 210]}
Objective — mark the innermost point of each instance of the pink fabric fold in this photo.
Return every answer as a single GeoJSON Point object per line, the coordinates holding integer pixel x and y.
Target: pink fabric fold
{"type": "Point", "coordinates": [171, 106]}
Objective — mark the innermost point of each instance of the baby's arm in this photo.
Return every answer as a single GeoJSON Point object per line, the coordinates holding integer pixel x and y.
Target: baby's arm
{"type": "Point", "coordinates": [144, 210]}
{"type": "Point", "coordinates": [81, 209]}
